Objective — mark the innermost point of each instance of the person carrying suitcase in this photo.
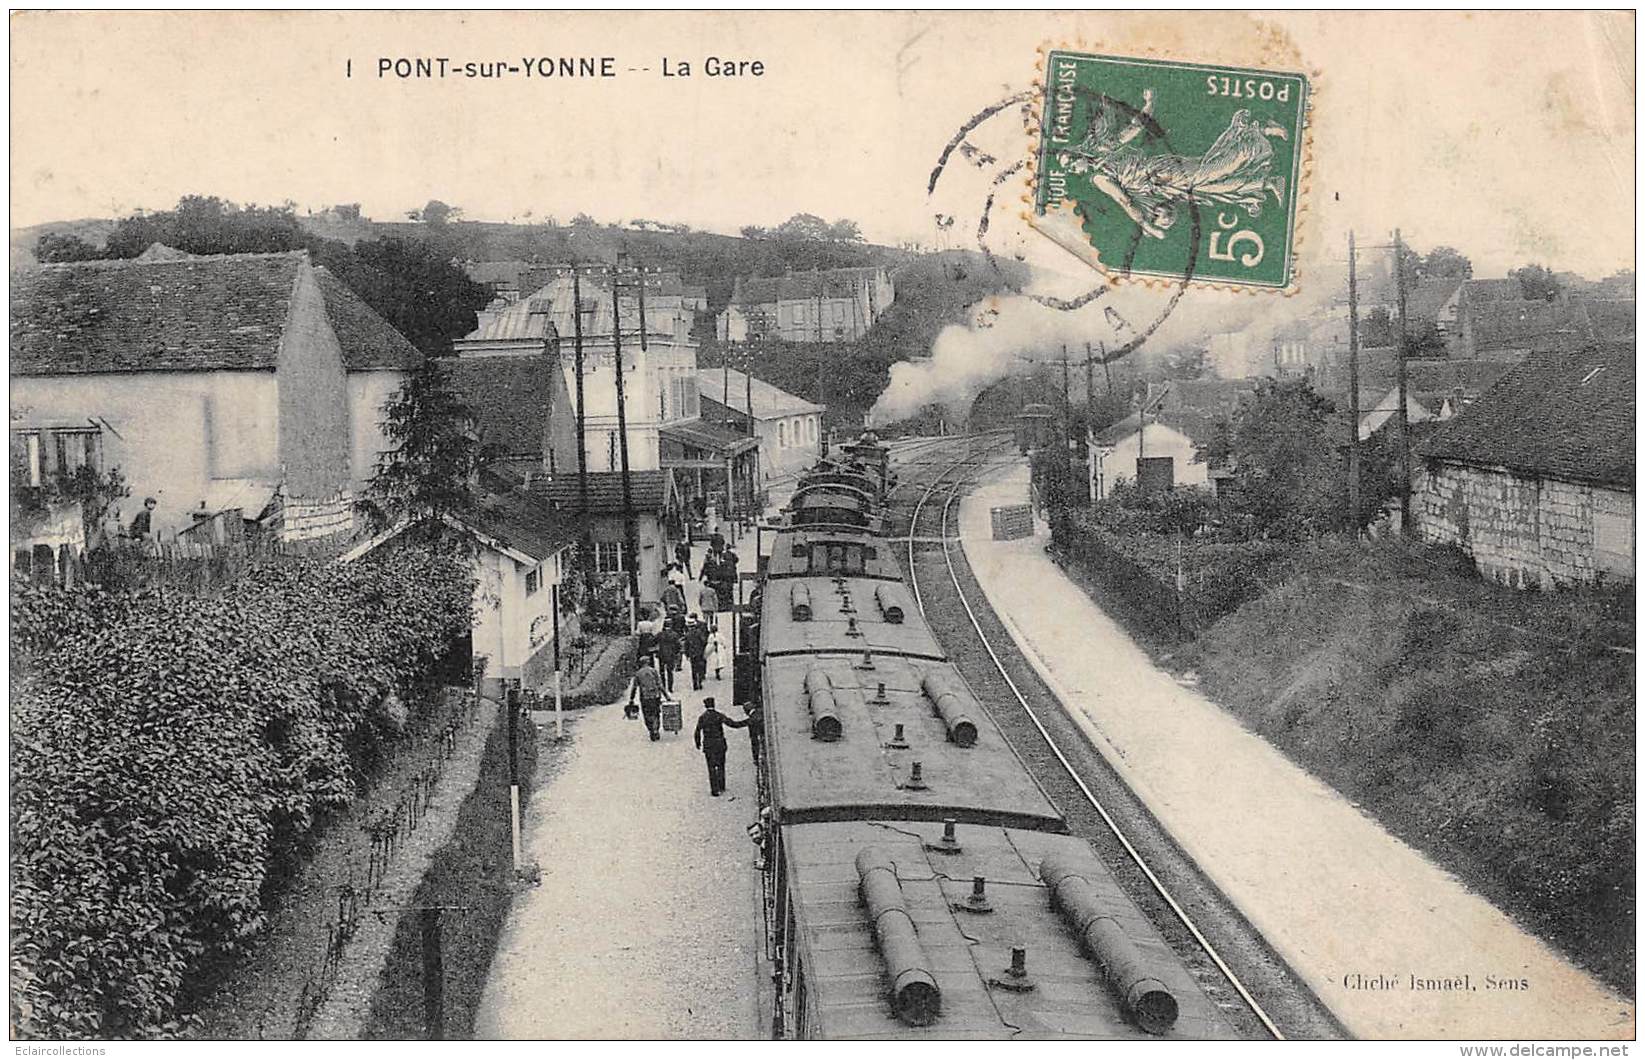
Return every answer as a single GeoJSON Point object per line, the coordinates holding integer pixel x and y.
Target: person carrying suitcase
{"type": "Point", "coordinates": [648, 687]}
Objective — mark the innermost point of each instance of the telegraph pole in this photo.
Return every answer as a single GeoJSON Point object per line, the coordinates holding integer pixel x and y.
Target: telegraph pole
{"type": "Point", "coordinates": [631, 534]}
{"type": "Point", "coordinates": [585, 545]}
{"type": "Point", "coordinates": [1353, 392]}
{"type": "Point", "coordinates": [1404, 418]}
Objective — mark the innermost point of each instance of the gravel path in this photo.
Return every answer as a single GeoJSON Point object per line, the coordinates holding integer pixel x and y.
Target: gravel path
{"type": "Point", "coordinates": [647, 921]}
{"type": "Point", "coordinates": [1395, 946]}
{"type": "Point", "coordinates": [343, 1015]}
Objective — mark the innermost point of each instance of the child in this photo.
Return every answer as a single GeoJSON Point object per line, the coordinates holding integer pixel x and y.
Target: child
{"type": "Point", "coordinates": [716, 652]}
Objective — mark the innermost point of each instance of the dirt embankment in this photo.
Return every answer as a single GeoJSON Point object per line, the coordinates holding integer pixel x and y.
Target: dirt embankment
{"type": "Point", "coordinates": [1494, 730]}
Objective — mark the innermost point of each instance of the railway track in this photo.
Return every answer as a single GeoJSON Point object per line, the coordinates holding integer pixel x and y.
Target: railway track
{"type": "Point", "coordinates": [1253, 986]}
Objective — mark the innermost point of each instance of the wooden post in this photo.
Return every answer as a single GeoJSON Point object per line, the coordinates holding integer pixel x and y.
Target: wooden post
{"type": "Point", "coordinates": [554, 602]}
{"type": "Point", "coordinates": [1404, 419]}
{"type": "Point", "coordinates": [511, 703]}
{"type": "Point", "coordinates": [631, 532]}
{"type": "Point", "coordinates": [433, 976]}
{"type": "Point", "coordinates": [1353, 392]}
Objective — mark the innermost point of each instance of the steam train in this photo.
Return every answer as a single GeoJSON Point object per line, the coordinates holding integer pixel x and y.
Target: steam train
{"type": "Point", "coordinates": [919, 883]}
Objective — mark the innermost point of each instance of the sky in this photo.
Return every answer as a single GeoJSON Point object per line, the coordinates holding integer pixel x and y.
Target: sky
{"type": "Point", "coordinates": [1508, 135]}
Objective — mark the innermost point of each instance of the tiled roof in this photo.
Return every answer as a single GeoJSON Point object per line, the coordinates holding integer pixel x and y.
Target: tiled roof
{"type": "Point", "coordinates": [195, 314]}
{"type": "Point", "coordinates": [832, 283]}
{"type": "Point", "coordinates": [1566, 416]}
{"type": "Point", "coordinates": [367, 339]}
{"type": "Point", "coordinates": [1527, 324]}
{"type": "Point", "coordinates": [509, 397]}
{"type": "Point", "coordinates": [769, 402]}
{"type": "Point", "coordinates": [1425, 300]}
{"type": "Point", "coordinates": [650, 490]}
{"type": "Point", "coordinates": [1195, 426]}
{"type": "Point", "coordinates": [524, 523]}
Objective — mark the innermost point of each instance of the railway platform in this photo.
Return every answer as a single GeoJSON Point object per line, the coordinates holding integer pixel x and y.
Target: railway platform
{"type": "Point", "coordinates": [647, 921]}
{"type": "Point", "coordinates": [1363, 918]}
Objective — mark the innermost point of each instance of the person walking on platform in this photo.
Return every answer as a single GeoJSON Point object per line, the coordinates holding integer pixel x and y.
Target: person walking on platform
{"type": "Point", "coordinates": [668, 654]}
{"type": "Point", "coordinates": [682, 552]}
{"type": "Point", "coordinates": [647, 629]}
{"type": "Point", "coordinates": [673, 594]}
{"type": "Point", "coordinates": [648, 687]}
{"type": "Point", "coordinates": [716, 652]}
{"type": "Point", "coordinates": [695, 644]}
{"type": "Point", "coordinates": [709, 736]}
{"type": "Point", "coordinates": [708, 602]}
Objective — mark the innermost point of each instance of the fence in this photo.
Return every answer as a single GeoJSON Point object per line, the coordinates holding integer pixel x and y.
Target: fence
{"type": "Point", "coordinates": [387, 831]}
{"type": "Point", "coordinates": [180, 562]}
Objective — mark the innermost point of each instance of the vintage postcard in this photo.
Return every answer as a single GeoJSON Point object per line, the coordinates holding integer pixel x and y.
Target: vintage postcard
{"type": "Point", "coordinates": [830, 525]}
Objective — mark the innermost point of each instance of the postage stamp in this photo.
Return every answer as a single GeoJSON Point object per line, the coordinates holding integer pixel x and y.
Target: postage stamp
{"type": "Point", "coordinates": [1153, 168]}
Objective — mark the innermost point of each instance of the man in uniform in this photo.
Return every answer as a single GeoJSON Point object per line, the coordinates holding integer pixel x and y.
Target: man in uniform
{"type": "Point", "coordinates": [709, 736]}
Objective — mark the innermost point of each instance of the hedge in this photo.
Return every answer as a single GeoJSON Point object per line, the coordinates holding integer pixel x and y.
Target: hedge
{"type": "Point", "coordinates": [170, 753]}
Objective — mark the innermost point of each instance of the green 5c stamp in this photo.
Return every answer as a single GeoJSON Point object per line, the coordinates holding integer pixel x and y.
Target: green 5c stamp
{"type": "Point", "coordinates": [1174, 170]}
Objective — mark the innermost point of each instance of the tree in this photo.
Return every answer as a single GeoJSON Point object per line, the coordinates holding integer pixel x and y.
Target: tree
{"type": "Point", "coordinates": [1537, 283]}
{"type": "Point", "coordinates": [413, 285]}
{"type": "Point", "coordinates": [427, 474]}
{"type": "Point", "coordinates": [1288, 474]}
{"type": "Point", "coordinates": [582, 220]}
{"type": "Point", "coordinates": [754, 232]}
{"type": "Point", "coordinates": [1377, 329]}
{"type": "Point", "coordinates": [805, 226]}
{"type": "Point", "coordinates": [54, 247]}
{"type": "Point", "coordinates": [1446, 263]}
{"type": "Point", "coordinates": [435, 212]}
{"type": "Point", "coordinates": [845, 231]}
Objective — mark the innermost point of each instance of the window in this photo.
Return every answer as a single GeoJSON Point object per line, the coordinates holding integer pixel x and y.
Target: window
{"type": "Point", "coordinates": [782, 436]}
{"type": "Point", "coordinates": [832, 558]}
{"type": "Point", "coordinates": [43, 454]}
{"type": "Point", "coordinates": [533, 580]}
{"type": "Point", "coordinates": [608, 557]}
{"type": "Point", "coordinates": [812, 425]}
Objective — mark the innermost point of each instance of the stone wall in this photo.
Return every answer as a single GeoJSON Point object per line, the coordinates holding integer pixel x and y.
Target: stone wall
{"type": "Point", "coordinates": [1526, 532]}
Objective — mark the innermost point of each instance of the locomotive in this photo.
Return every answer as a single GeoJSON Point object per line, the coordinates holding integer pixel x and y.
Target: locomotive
{"type": "Point", "coordinates": [918, 881]}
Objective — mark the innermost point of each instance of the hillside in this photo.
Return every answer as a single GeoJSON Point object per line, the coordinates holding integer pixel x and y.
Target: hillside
{"type": "Point", "coordinates": [1491, 729]}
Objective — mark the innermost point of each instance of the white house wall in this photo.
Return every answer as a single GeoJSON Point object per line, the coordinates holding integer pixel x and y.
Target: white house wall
{"type": "Point", "coordinates": [1120, 464]}
{"type": "Point", "coordinates": [367, 392]}
{"type": "Point", "coordinates": [170, 433]}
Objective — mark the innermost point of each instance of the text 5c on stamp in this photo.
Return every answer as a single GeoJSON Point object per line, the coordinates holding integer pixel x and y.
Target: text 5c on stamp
{"type": "Point", "coordinates": [1175, 170]}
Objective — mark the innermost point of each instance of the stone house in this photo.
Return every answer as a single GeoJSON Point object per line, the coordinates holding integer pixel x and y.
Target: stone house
{"type": "Point", "coordinates": [833, 305]}
{"type": "Point", "coordinates": [248, 383]}
{"type": "Point", "coordinates": [1535, 480]}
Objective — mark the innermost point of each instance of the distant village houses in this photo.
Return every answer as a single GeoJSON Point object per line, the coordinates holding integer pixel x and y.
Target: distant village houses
{"type": "Point", "coordinates": [835, 305]}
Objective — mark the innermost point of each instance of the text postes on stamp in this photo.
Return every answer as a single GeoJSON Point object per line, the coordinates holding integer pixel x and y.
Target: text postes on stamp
{"type": "Point", "coordinates": [1133, 151]}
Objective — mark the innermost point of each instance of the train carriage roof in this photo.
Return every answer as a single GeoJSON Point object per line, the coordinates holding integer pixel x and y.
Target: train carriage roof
{"type": "Point", "coordinates": [842, 614]}
{"type": "Point", "coordinates": [968, 953]}
{"type": "Point", "coordinates": [967, 770]}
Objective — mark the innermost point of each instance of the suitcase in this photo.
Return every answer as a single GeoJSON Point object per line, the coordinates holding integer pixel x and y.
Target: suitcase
{"type": "Point", "coordinates": [673, 720]}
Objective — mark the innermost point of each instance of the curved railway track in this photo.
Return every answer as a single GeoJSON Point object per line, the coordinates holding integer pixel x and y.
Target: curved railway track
{"type": "Point", "coordinates": [1255, 988]}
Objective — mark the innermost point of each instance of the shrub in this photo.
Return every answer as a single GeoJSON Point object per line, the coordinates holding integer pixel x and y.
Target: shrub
{"type": "Point", "coordinates": [171, 752]}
